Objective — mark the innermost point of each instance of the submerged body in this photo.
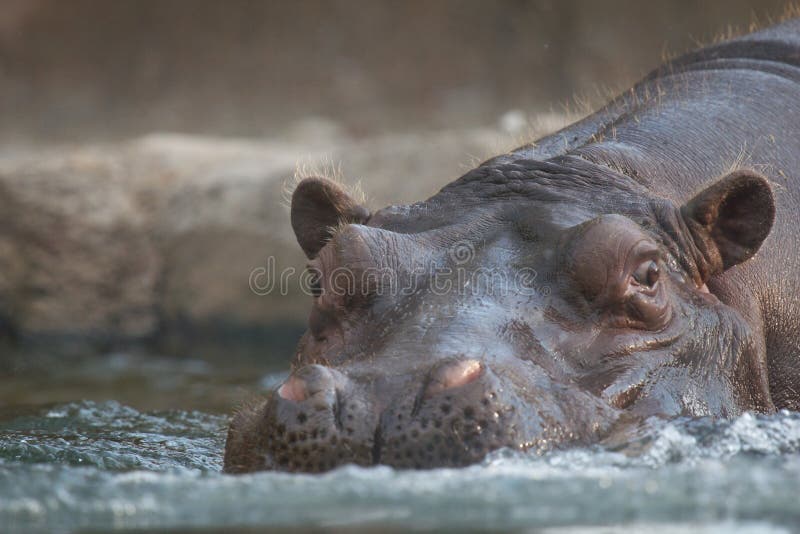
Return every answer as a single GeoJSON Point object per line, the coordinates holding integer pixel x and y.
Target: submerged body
{"type": "Point", "coordinates": [641, 262]}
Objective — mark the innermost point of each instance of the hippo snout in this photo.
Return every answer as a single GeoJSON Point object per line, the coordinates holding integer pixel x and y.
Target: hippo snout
{"type": "Point", "coordinates": [316, 420]}
{"type": "Point", "coordinates": [452, 415]}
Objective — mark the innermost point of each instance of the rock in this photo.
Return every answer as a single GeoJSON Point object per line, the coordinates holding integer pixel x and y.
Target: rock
{"type": "Point", "coordinates": [76, 257]}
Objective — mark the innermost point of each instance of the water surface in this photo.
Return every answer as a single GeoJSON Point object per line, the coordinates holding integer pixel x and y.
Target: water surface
{"type": "Point", "coordinates": [137, 462]}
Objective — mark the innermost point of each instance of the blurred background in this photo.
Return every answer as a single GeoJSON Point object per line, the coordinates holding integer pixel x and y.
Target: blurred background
{"type": "Point", "coordinates": [92, 69]}
{"type": "Point", "coordinates": [145, 147]}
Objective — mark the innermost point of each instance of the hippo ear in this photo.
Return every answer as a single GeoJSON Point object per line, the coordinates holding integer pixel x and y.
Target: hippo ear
{"type": "Point", "coordinates": [318, 206]}
{"type": "Point", "coordinates": [730, 219]}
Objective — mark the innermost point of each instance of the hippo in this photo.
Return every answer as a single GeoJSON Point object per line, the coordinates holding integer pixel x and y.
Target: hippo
{"type": "Point", "coordinates": [640, 263]}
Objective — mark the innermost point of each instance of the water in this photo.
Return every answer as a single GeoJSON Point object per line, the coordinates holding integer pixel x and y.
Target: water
{"type": "Point", "coordinates": [99, 465]}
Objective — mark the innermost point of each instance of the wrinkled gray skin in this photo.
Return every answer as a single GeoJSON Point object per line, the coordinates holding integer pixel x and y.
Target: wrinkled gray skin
{"type": "Point", "coordinates": [624, 283]}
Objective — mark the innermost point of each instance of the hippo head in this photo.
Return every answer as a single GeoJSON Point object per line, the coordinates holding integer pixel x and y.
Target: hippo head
{"type": "Point", "coordinates": [527, 305]}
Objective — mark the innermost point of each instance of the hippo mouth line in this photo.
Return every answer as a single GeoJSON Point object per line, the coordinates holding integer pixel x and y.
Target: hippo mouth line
{"type": "Point", "coordinates": [377, 443]}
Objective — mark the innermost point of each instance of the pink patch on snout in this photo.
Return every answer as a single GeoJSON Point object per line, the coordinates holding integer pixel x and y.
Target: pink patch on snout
{"type": "Point", "coordinates": [454, 375]}
{"type": "Point", "coordinates": [294, 389]}
{"type": "Point", "coordinates": [704, 289]}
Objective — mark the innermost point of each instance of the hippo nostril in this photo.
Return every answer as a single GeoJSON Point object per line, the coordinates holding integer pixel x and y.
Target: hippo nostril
{"type": "Point", "coordinates": [294, 389]}
{"type": "Point", "coordinates": [453, 375]}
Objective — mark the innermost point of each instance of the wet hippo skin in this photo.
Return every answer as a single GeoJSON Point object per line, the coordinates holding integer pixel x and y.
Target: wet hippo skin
{"type": "Point", "coordinates": [641, 262]}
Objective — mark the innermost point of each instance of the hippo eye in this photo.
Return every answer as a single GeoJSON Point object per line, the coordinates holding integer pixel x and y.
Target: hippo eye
{"type": "Point", "coordinates": [647, 274]}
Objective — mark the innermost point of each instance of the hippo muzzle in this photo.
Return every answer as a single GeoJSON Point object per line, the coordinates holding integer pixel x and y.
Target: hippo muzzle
{"type": "Point", "coordinates": [320, 419]}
